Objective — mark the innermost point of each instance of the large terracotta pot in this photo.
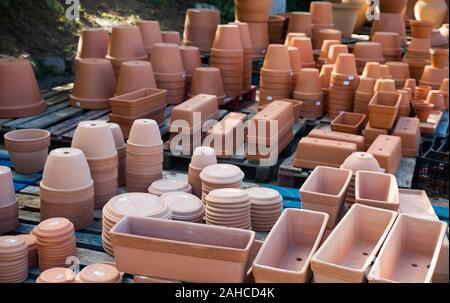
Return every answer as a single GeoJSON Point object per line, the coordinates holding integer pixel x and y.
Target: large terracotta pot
{"type": "Point", "coordinates": [207, 80]}
{"type": "Point", "coordinates": [300, 22]}
{"type": "Point", "coordinates": [252, 10]}
{"type": "Point", "coordinates": [362, 11]}
{"type": "Point", "coordinates": [259, 34]}
{"type": "Point", "coordinates": [388, 22]}
{"type": "Point", "coordinates": [200, 28]}
{"type": "Point", "coordinates": [151, 34]}
{"type": "Point", "coordinates": [432, 10]}
{"type": "Point", "coordinates": [276, 29]}
{"type": "Point", "coordinates": [93, 43]}
{"type": "Point", "coordinates": [345, 16]}
{"type": "Point", "coordinates": [395, 7]}
{"type": "Point", "coordinates": [135, 75]}
{"type": "Point", "coordinates": [19, 91]}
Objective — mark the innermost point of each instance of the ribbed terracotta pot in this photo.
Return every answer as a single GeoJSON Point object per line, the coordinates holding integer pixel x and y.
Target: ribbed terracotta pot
{"type": "Point", "coordinates": [171, 37]}
{"type": "Point", "coordinates": [19, 91]}
{"type": "Point", "coordinates": [93, 43]}
{"type": "Point", "coordinates": [94, 84]}
{"type": "Point", "coordinates": [345, 16]}
{"type": "Point", "coordinates": [200, 28]}
{"type": "Point", "coordinates": [135, 75]}
{"type": "Point", "coordinates": [252, 10]}
{"type": "Point", "coordinates": [151, 34]}
{"type": "Point", "coordinates": [28, 149]}
{"type": "Point", "coordinates": [421, 29]}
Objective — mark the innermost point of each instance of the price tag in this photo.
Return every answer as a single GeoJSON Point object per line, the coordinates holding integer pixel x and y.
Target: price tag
{"type": "Point", "coordinates": [346, 83]}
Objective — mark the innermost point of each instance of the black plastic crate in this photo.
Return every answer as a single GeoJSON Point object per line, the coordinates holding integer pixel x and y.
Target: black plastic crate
{"type": "Point", "coordinates": [432, 173]}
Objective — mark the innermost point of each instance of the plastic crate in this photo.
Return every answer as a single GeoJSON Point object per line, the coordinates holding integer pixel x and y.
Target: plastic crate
{"type": "Point", "coordinates": [432, 172]}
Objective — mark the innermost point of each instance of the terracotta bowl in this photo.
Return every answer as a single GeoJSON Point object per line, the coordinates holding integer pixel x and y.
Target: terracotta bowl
{"type": "Point", "coordinates": [259, 34]}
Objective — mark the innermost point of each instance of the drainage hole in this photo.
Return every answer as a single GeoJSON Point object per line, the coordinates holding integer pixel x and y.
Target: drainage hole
{"type": "Point", "coordinates": [365, 254]}
{"type": "Point", "coordinates": [428, 266]}
{"type": "Point", "coordinates": [414, 265]}
{"type": "Point", "coordinates": [66, 153]}
{"type": "Point", "coordinates": [299, 259]}
{"type": "Point", "coordinates": [93, 124]}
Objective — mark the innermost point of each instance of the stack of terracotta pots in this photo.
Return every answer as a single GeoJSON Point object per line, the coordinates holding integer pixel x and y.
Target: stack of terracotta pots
{"type": "Point", "coordinates": [56, 242]}
{"type": "Point", "coordinates": [207, 80]}
{"type": "Point", "coordinates": [256, 14]}
{"type": "Point", "coordinates": [321, 17]}
{"type": "Point", "coordinates": [309, 91]}
{"type": "Point", "coordinates": [266, 207]}
{"type": "Point", "coordinates": [390, 44]}
{"type": "Point", "coordinates": [144, 156]}
{"type": "Point", "coordinates": [418, 54]}
{"type": "Point", "coordinates": [227, 55]}
{"type": "Point", "coordinates": [276, 75]}
{"type": "Point", "coordinates": [438, 70]}
{"type": "Point", "coordinates": [190, 56]}
{"type": "Point", "coordinates": [300, 22]}
{"type": "Point", "coordinates": [135, 75]}
{"type": "Point", "coordinates": [228, 207]}
{"type": "Point", "coordinates": [248, 55]}
{"type": "Point", "coordinates": [296, 64]}
{"type": "Point", "coordinates": [96, 141]}
{"type": "Point", "coordinates": [276, 24]}
{"type": "Point", "coordinates": [131, 204]}
{"type": "Point", "coordinates": [185, 207]}
{"type": "Point", "coordinates": [163, 186]}
{"type": "Point", "coordinates": [325, 81]}
{"type": "Point", "coordinates": [363, 95]}
{"type": "Point", "coordinates": [93, 43]}
{"type": "Point", "coordinates": [202, 157]}
{"type": "Point", "coordinates": [291, 36]}
{"type": "Point", "coordinates": [121, 148]}
{"type": "Point", "coordinates": [367, 52]}
{"type": "Point", "coordinates": [69, 196]}
{"type": "Point", "coordinates": [324, 51]}
{"type": "Point", "coordinates": [19, 91]}
{"type": "Point", "coordinates": [399, 72]}
{"type": "Point", "coordinates": [151, 34]}
{"type": "Point", "coordinates": [404, 109]}
{"type": "Point", "coordinates": [13, 260]}
{"type": "Point", "coordinates": [9, 208]}
{"type": "Point", "coordinates": [171, 37]}
{"type": "Point", "coordinates": [343, 85]}
{"type": "Point", "coordinates": [444, 91]}
{"type": "Point", "coordinates": [390, 22]}
{"type": "Point", "coordinates": [30, 240]}
{"type": "Point", "coordinates": [304, 45]}
{"type": "Point", "coordinates": [200, 27]}
{"type": "Point", "coordinates": [327, 34]}
{"type": "Point", "coordinates": [169, 71]}
{"type": "Point", "coordinates": [99, 273]}
{"type": "Point", "coordinates": [144, 103]}
{"type": "Point", "coordinates": [217, 176]}
{"type": "Point", "coordinates": [57, 275]}
{"type": "Point", "coordinates": [126, 44]}
{"type": "Point", "coordinates": [434, 97]}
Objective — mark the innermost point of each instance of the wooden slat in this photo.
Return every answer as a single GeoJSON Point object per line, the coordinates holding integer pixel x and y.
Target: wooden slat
{"type": "Point", "coordinates": [53, 118]}
{"type": "Point", "coordinates": [18, 122]}
{"type": "Point", "coordinates": [59, 129]}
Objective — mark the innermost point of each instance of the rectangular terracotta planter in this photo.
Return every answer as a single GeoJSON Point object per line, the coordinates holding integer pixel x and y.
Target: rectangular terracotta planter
{"type": "Point", "coordinates": [138, 102]}
{"type": "Point", "coordinates": [383, 109]}
{"type": "Point", "coordinates": [377, 190]}
{"type": "Point", "coordinates": [352, 246]}
{"type": "Point", "coordinates": [370, 134]}
{"type": "Point", "coordinates": [126, 122]}
{"type": "Point", "coordinates": [325, 191]}
{"type": "Point", "coordinates": [232, 126]}
{"type": "Point", "coordinates": [176, 250]}
{"type": "Point", "coordinates": [286, 253]}
{"type": "Point", "coordinates": [388, 152]}
{"type": "Point", "coordinates": [312, 152]}
{"type": "Point", "coordinates": [297, 106]}
{"type": "Point", "coordinates": [339, 136]}
{"type": "Point", "coordinates": [346, 122]}
{"type": "Point", "coordinates": [408, 129]}
{"type": "Point", "coordinates": [254, 251]}
{"type": "Point", "coordinates": [410, 252]}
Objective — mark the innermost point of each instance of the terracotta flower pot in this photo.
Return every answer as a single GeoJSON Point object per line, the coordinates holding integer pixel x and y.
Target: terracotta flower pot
{"type": "Point", "coordinates": [444, 91]}
{"type": "Point", "coordinates": [377, 190]}
{"type": "Point", "coordinates": [345, 16]}
{"type": "Point", "coordinates": [397, 7]}
{"type": "Point", "coordinates": [276, 24]}
{"type": "Point", "coordinates": [362, 11]}
{"type": "Point", "coordinates": [421, 29]}
{"type": "Point", "coordinates": [390, 43]}
{"type": "Point", "coordinates": [399, 72]}
{"type": "Point", "coordinates": [94, 84]}
{"type": "Point", "coordinates": [171, 37]}
{"type": "Point", "coordinates": [121, 146]}
{"type": "Point", "coordinates": [291, 36]}
{"type": "Point", "coordinates": [200, 28]}
{"type": "Point", "coordinates": [327, 34]}
{"type": "Point", "coordinates": [19, 91]}
{"type": "Point", "coordinates": [296, 63]}
{"type": "Point", "coordinates": [432, 10]}
{"type": "Point", "coordinates": [383, 109]}
{"type": "Point", "coordinates": [304, 45]}
{"type": "Point", "coordinates": [266, 270]}
{"type": "Point", "coordinates": [135, 75]}
{"type": "Point", "coordinates": [166, 59]}
{"type": "Point", "coordinates": [252, 10]}
{"type": "Point", "coordinates": [321, 12]}
{"type": "Point", "coordinates": [325, 75]}
{"type": "Point", "coordinates": [247, 47]}
{"type": "Point", "coordinates": [277, 58]}
{"type": "Point", "coordinates": [207, 80]}
{"type": "Point", "coordinates": [335, 51]}
{"type": "Point", "coordinates": [259, 34]}
{"type": "Point", "coordinates": [324, 51]}
{"type": "Point", "coordinates": [348, 123]}
{"type": "Point", "coordinates": [435, 98]}
{"type": "Point", "coordinates": [433, 76]}
{"type": "Point", "coordinates": [421, 92]}
{"type": "Point", "coordinates": [191, 59]}
{"type": "Point", "coordinates": [345, 65]}
{"type": "Point", "coordinates": [93, 43]}
{"type": "Point", "coordinates": [389, 22]}
{"type": "Point", "coordinates": [151, 34]}
{"type": "Point", "coordinates": [372, 70]}
{"type": "Point", "coordinates": [423, 110]}
{"type": "Point", "coordinates": [300, 22]}
{"type": "Point", "coordinates": [309, 82]}
{"type": "Point", "coordinates": [439, 57]}
{"type": "Point", "coordinates": [385, 85]}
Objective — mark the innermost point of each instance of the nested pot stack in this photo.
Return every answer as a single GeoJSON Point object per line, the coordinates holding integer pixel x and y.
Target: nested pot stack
{"type": "Point", "coordinates": [248, 55]}
{"type": "Point", "coordinates": [207, 80]}
{"type": "Point", "coordinates": [266, 208]}
{"type": "Point", "coordinates": [390, 44]}
{"type": "Point", "coordinates": [144, 156]}
{"type": "Point", "coordinates": [93, 43]}
{"type": "Point", "coordinates": [390, 22]}
{"type": "Point", "coordinates": [418, 54]}
{"type": "Point", "coordinates": [217, 176]}
{"type": "Point", "coordinates": [67, 195]}
{"type": "Point", "coordinates": [202, 157]}
{"type": "Point", "coordinates": [325, 81]}
{"type": "Point", "coordinates": [190, 56]}
{"type": "Point", "coordinates": [56, 242]}
{"type": "Point", "coordinates": [309, 91]}
{"type": "Point", "coordinates": [367, 52]}
{"type": "Point", "coordinates": [324, 51]}
{"type": "Point", "coordinates": [327, 34]}
{"type": "Point", "coordinates": [200, 27]}
{"type": "Point", "coordinates": [321, 17]}
{"type": "Point", "coordinates": [304, 45]}
{"type": "Point", "coordinates": [169, 71]}
{"type": "Point", "coordinates": [9, 208]}
{"type": "Point", "coordinates": [227, 54]}
{"type": "Point", "coordinates": [30, 241]}
{"type": "Point", "coordinates": [185, 206]}
{"type": "Point", "coordinates": [163, 186]}
{"type": "Point", "coordinates": [13, 260]}
{"type": "Point", "coordinates": [96, 141]}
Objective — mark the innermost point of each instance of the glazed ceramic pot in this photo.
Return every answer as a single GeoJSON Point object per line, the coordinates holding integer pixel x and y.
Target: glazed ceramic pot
{"type": "Point", "coordinates": [200, 28]}
{"type": "Point", "coordinates": [348, 123]}
{"type": "Point", "coordinates": [252, 10]}
{"type": "Point", "coordinates": [13, 260]}
{"type": "Point", "coordinates": [321, 13]}
{"type": "Point", "coordinates": [207, 80]}
{"type": "Point", "coordinates": [439, 57]}
{"type": "Point", "coordinates": [151, 34]}
{"type": "Point", "coordinates": [432, 10]}
{"type": "Point", "coordinates": [300, 22]}
{"type": "Point", "coordinates": [345, 16]}
{"type": "Point", "coordinates": [276, 29]}
{"type": "Point", "coordinates": [19, 91]}
{"type": "Point", "coordinates": [94, 84]}
{"type": "Point", "coordinates": [171, 37]}
{"type": "Point", "coordinates": [28, 149]}
{"type": "Point", "coordinates": [93, 43]}
{"type": "Point", "coordinates": [388, 152]}
{"type": "Point", "coordinates": [135, 75]}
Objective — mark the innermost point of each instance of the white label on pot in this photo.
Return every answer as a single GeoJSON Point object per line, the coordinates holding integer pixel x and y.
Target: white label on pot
{"type": "Point", "coordinates": [351, 78]}
{"type": "Point", "coordinates": [10, 241]}
{"type": "Point", "coordinates": [346, 83]}
{"type": "Point", "coordinates": [318, 103]}
{"type": "Point", "coordinates": [99, 273]}
{"type": "Point", "coordinates": [269, 98]}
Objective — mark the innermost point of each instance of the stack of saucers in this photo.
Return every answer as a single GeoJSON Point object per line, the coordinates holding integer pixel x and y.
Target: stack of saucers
{"type": "Point", "coordinates": [30, 240]}
{"type": "Point", "coordinates": [99, 273]}
{"type": "Point", "coordinates": [13, 260]}
{"type": "Point", "coordinates": [220, 176]}
{"type": "Point", "coordinates": [163, 186]}
{"type": "Point", "coordinates": [266, 207]}
{"type": "Point", "coordinates": [185, 207]}
{"type": "Point", "coordinates": [58, 275]}
{"type": "Point", "coordinates": [56, 242]}
{"type": "Point", "coordinates": [131, 204]}
{"type": "Point", "coordinates": [228, 207]}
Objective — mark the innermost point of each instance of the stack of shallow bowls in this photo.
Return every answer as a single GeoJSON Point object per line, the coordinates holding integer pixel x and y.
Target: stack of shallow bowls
{"type": "Point", "coordinates": [56, 242]}
{"type": "Point", "coordinates": [266, 207]}
{"type": "Point", "coordinates": [309, 91]}
{"type": "Point", "coordinates": [131, 204]}
{"type": "Point", "coordinates": [57, 275]}
{"type": "Point", "coordinates": [70, 196]}
{"type": "Point", "coordinates": [202, 157]}
{"type": "Point", "coordinates": [95, 140]}
{"type": "Point", "coordinates": [276, 75]}
{"type": "Point", "coordinates": [30, 240]}
{"type": "Point", "coordinates": [343, 85]}
{"type": "Point", "coordinates": [160, 187]}
{"type": "Point", "coordinates": [228, 207]}
{"type": "Point", "coordinates": [13, 260]}
{"type": "Point", "coordinates": [99, 273]}
{"type": "Point", "coordinates": [220, 176]}
{"type": "Point", "coordinates": [227, 55]}
{"type": "Point", "coordinates": [9, 208]}
{"type": "Point", "coordinates": [185, 207]}
{"type": "Point", "coordinates": [367, 52]}
{"type": "Point", "coordinates": [144, 156]}
{"type": "Point", "coordinates": [121, 148]}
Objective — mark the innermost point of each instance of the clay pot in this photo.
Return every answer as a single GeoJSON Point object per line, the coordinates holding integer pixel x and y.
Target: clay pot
{"type": "Point", "coordinates": [421, 92]}
{"type": "Point", "coordinates": [432, 10]}
{"type": "Point", "coordinates": [399, 72]}
{"type": "Point", "coordinates": [202, 157]}
{"type": "Point", "coordinates": [94, 84]}
{"type": "Point", "coordinates": [324, 51]}
{"type": "Point", "coordinates": [171, 37]}
{"type": "Point", "coordinates": [391, 45]}
{"type": "Point", "coordinates": [93, 43]}
{"type": "Point", "coordinates": [309, 82]}
{"type": "Point", "coordinates": [435, 98]}
{"type": "Point", "coordinates": [444, 91]}
{"type": "Point", "coordinates": [166, 59]}
{"type": "Point", "coordinates": [266, 271]}
{"type": "Point", "coordinates": [383, 109]}
{"type": "Point", "coordinates": [387, 267]}
{"type": "Point", "coordinates": [259, 35]}
{"type": "Point", "coordinates": [58, 275]}
{"type": "Point", "coordinates": [439, 57]}
{"type": "Point", "coordinates": [291, 36]}
{"type": "Point", "coordinates": [19, 91]}
{"type": "Point", "coordinates": [408, 129]}
{"type": "Point", "coordinates": [220, 176]}
{"type": "Point", "coordinates": [300, 22]}
{"type": "Point", "coordinates": [207, 80]}
{"type": "Point", "coordinates": [191, 59]}
{"type": "Point", "coordinates": [327, 34]}
{"type": "Point", "coordinates": [364, 5]}
{"type": "Point", "coordinates": [397, 7]}
{"type": "Point", "coordinates": [351, 123]}
{"type": "Point", "coordinates": [335, 51]}
{"type": "Point", "coordinates": [385, 85]}
{"type": "Point", "coordinates": [377, 190]}
{"type": "Point", "coordinates": [321, 12]}
{"type": "Point", "coordinates": [345, 65]}
{"type": "Point", "coordinates": [121, 146]}
{"type": "Point", "coordinates": [394, 23]}
{"type": "Point", "coordinates": [266, 207]}
{"type": "Point", "coordinates": [9, 209]}
{"type": "Point", "coordinates": [411, 84]}
{"type": "Point", "coordinates": [28, 149]}
{"type": "Point", "coordinates": [423, 110]}
{"type": "Point", "coordinates": [151, 34]}
{"type": "Point", "coordinates": [367, 52]}
{"type": "Point", "coordinates": [200, 27]}
{"type": "Point", "coordinates": [296, 64]}
{"type": "Point", "coordinates": [135, 75]}
{"type": "Point", "coordinates": [304, 45]}
{"type": "Point", "coordinates": [433, 76]}
{"type": "Point", "coordinates": [332, 263]}
{"type": "Point", "coordinates": [372, 70]}
{"type": "Point", "coordinates": [438, 39]}
{"type": "Point", "coordinates": [253, 10]}
{"type": "Point", "coordinates": [247, 47]}
{"type": "Point", "coordinates": [276, 29]}
{"type": "Point", "coordinates": [345, 16]}
{"type": "Point", "coordinates": [185, 207]}
{"type": "Point", "coordinates": [325, 75]}
{"type": "Point", "coordinates": [15, 267]}
{"type": "Point", "coordinates": [99, 273]}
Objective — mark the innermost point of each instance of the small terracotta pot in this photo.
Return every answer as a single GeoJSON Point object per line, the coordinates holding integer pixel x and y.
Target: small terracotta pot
{"type": "Point", "coordinates": [295, 59]}
{"type": "Point", "coordinates": [345, 16]}
{"type": "Point", "coordinates": [277, 58]}
{"type": "Point", "coordinates": [304, 44]}
{"type": "Point", "coordinates": [191, 58]}
{"type": "Point", "coordinates": [321, 12]}
{"type": "Point", "coordinates": [345, 65]}
{"type": "Point", "coordinates": [200, 27]}
{"type": "Point", "coordinates": [171, 37]}
{"type": "Point", "coordinates": [327, 34]}
{"type": "Point", "coordinates": [423, 110]}
{"type": "Point", "coordinates": [324, 51]}
{"type": "Point", "coordinates": [439, 57]}
{"type": "Point", "coordinates": [93, 43]}
{"type": "Point", "coordinates": [227, 37]}
{"type": "Point", "coordinates": [385, 72]}
{"type": "Point", "coordinates": [253, 10]}
{"type": "Point", "coordinates": [389, 22]}
{"type": "Point", "coordinates": [421, 29]}
{"type": "Point", "coordinates": [335, 51]}
{"type": "Point", "coordinates": [145, 132]}
{"type": "Point", "coordinates": [166, 58]}
{"type": "Point", "coordinates": [309, 82]}
{"type": "Point", "coordinates": [135, 75]}
{"type": "Point", "coordinates": [7, 194]}
{"type": "Point", "coordinates": [300, 22]}
{"type": "Point", "coordinates": [207, 80]}
{"type": "Point", "coordinates": [94, 84]}
{"type": "Point", "coordinates": [19, 91]}
{"type": "Point", "coordinates": [437, 99]}
{"type": "Point", "coordinates": [411, 84]}
{"type": "Point", "coordinates": [421, 92]}
{"type": "Point", "coordinates": [291, 36]}
{"type": "Point", "coordinates": [259, 34]}
{"type": "Point", "coordinates": [432, 10]}
{"type": "Point", "coordinates": [399, 72]}
{"type": "Point", "coordinates": [372, 70]}
{"type": "Point", "coordinates": [151, 34]}
{"type": "Point", "coordinates": [276, 29]}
